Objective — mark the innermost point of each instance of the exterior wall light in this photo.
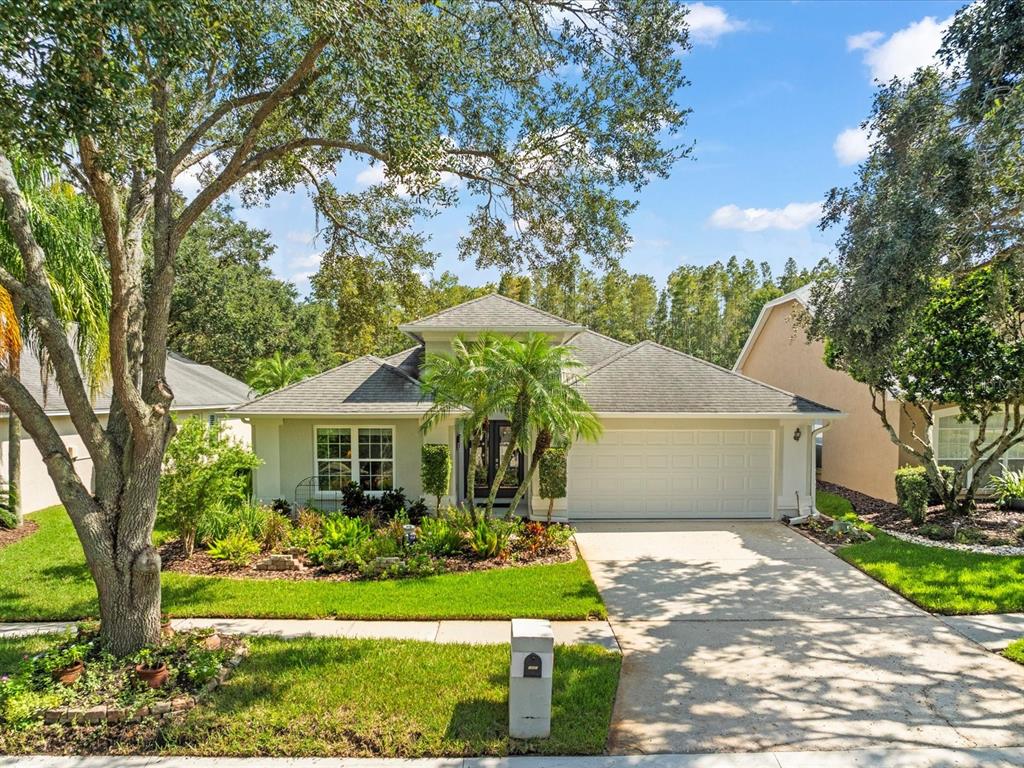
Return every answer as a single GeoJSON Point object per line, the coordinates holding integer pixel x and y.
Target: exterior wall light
{"type": "Point", "coordinates": [796, 434]}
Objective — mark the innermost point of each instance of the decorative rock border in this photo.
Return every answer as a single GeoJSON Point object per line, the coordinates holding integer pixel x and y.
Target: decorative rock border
{"type": "Point", "coordinates": [1004, 550]}
{"type": "Point", "coordinates": [103, 713]}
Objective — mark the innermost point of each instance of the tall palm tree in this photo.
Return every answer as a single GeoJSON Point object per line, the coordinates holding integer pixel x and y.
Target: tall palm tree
{"type": "Point", "coordinates": [461, 383]}
{"type": "Point", "coordinates": [66, 224]}
{"type": "Point", "coordinates": [536, 393]}
{"type": "Point", "coordinates": [272, 373]}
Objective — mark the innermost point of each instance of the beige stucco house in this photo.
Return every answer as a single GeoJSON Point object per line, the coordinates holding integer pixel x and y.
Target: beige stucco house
{"type": "Point", "coordinates": [682, 438]}
{"type": "Point", "coordinates": [199, 390]}
{"type": "Point", "coordinates": [857, 451]}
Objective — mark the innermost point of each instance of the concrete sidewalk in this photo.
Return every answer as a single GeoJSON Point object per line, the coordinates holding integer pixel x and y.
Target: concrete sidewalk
{"type": "Point", "coordinates": [471, 632]}
{"type": "Point", "coordinates": [994, 631]}
{"type": "Point", "coordinates": [860, 758]}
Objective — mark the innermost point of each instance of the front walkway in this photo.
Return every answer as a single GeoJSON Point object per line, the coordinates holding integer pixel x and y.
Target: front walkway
{"type": "Point", "coordinates": [868, 758]}
{"type": "Point", "coordinates": [745, 637]}
{"type": "Point", "coordinates": [473, 632]}
{"type": "Point", "coordinates": [994, 631]}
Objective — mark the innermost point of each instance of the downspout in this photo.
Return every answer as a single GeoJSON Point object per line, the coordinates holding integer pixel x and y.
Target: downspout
{"type": "Point", "coordinates": [812, 480]}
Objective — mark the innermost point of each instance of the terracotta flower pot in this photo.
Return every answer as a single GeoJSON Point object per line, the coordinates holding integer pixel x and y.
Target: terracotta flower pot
{"type": "Point", "coordinates": [154, 677]}
{"type": "Point", "coordinates": [212, 643]}
{"type": "Point", "coordinates": [166, 630]}
{"type": "Point", "coordinates": [68, 675]}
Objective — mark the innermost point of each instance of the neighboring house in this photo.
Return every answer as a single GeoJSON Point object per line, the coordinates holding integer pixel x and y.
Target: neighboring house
{"type": "Point", "coordinates": [682, 438]}
{"type": "Point", "coordinates": [199, 390]}
{"type": "Point", "coordinates": [856, 452]}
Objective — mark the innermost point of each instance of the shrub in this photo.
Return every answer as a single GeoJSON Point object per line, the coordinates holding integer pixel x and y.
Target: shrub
{"type": "Point", "coordinates": [913, 492]}
{"type": "Point", "coordinates": [7, 517]}
{"type": "Point", "coordinates": [414, 565]}
{"type": "Point", "coordinates": [310, 521]}
{"type": "Point", "coordinates": [436, 470]}
{"type": "Point", "coordinates": [538, 538]}
{"type": "Point", "coordinates": [238, 548]}
{"type": "Point", "coordinates": [276, 531]}
{"type": "Point", "coordinates": [219, 521]}
{"type": "Point", "coordinates": [303, 538]}
{"type": "Point", "coordinates": [489, 538]}
{"type": "Point", "coordinates": [1008, 486]}
{"type": "Point", "coordinates": [282, 507]}
{"type": "Point", "coordinates": [354, 500]}
{"type": "Point", "coordinates": [439, 537]}
{"type": "Point", "coordinates": [202, 468]}
{"type": "Point", "coordinates": [553, 470]}
{"type": "Point", "coordinates": [339, 532]}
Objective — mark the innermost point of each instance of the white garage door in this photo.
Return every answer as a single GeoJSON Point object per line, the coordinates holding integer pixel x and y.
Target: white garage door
{"type": "Point", "coordinates": [672, 474]}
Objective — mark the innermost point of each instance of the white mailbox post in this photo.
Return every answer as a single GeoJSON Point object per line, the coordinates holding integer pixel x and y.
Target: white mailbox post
{"type": "Point", "coordinates": [529, 685]}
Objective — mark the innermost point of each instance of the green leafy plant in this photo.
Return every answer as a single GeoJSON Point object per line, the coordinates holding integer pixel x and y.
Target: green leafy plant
{"type": "Point", "coordinates": [1008, 486]}
{"type": "Point", "coordinates": [913, 492]}
{"type": "Point", "coordinates": [553, 471]}
{"type": "Point", "coordinates": [276, 532]}
{"type": "Point", "coordinates": [148, 658]}
{"type": "Point", "coordinates": [238, 548]}
{"type": "Point", "coordinates": [8, 518]}
{"type": "Point", "coordinates": [489, 539]}
{"type": "Point", "coordinates": [439, 537]}
{"type": "Point", "coordinates": [436, 470]}
{"type": "Point", "coordinates": [339, 532]}
{"type": "Point", "coordinates": [202, 468]}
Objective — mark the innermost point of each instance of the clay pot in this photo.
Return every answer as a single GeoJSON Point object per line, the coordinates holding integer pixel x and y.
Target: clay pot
{"type": "Point", "coordinates": [212, 643]}
{"type": "Point", "coordinates": [68, 675]}
{"type": "Point", "coordinates": [154, 677]}
{"type": "Point", "coordinates": [165, 627]}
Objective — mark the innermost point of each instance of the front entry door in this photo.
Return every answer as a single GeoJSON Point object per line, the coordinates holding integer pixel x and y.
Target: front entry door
{"type": "Point", "coordinates": [497, 439]}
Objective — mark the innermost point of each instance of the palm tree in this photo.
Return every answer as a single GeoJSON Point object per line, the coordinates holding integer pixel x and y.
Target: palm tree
{"type": "Point", "coordinates": [272, 373]}
{"type": "Point", "coordinates": [537, 395]}
{"type": "Point", "coordinates": [67, 226]}
{"type": "Point", "coordinates": [462, 384]}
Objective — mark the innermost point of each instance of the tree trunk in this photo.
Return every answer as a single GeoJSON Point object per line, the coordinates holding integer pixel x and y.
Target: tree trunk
{"type": "Point", "coordinates": [551, 509]}
{"type": "Point", "coordinates": [14, 466]}
{"type": "Point", "coordinates": [540, 447]}
{"type": "Point", "coordinates": [506, 461]}
{"type": "Point", "coordinates": [475, 441]}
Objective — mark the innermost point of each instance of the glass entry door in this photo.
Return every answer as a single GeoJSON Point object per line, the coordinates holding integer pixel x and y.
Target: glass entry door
{"type": "Point", "coordinates": [496, 440]}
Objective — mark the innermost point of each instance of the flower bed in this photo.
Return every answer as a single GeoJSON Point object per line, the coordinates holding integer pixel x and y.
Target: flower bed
{"type": "Point", "coordinates": [11, 535]}
{"type": "Point", "coordinates": [77, 682]}
{"type": "Point", "coordinates": [266, 543]}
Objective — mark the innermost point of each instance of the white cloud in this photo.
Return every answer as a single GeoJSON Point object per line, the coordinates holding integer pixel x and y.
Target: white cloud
{"type": "Point", "coordinates": [792, 216]}
{"type": "Point", "coordinates": [375, 174]}
{"type": "Point", "coordinates": [301, 238]}
{"type": "Point", "coordinates": [187, 182]}
{"type": "Point", "coordinates": [707, 23]}
{"type": "Point", "coordinates": [853, 145]}
{"type": "Point", "coordinates": [904, 51]}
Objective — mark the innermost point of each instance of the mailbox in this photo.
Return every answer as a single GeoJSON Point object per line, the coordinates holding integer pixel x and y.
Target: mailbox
{"type": "Point", "coordinates": [529, 692]}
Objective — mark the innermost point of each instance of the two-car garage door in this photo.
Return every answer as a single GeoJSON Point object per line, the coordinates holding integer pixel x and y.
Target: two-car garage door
{"type": "Point", "coordinates": [672, 474]}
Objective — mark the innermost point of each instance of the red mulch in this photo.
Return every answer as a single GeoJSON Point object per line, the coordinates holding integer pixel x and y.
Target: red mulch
{"type": "Point", "coordinates": [11, 535]}
{"type": "Point", "coordinates": [993, 525]}
{"type": "Point", "coordinates": [201, 564]}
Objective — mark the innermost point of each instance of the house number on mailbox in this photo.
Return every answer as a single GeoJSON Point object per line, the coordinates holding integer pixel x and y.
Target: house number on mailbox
{"type": "Point", "coordinates": [531, 665]}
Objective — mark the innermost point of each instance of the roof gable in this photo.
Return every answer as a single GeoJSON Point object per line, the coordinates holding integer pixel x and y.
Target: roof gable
{"type": "Point", "coordinates": [365, 385]}
{"type": "Point", "coordinates": [651, 378]}
{"type": "Point", "coordinates": [591, 347]}
{"type": "Point", "coordinates": [490, 312]}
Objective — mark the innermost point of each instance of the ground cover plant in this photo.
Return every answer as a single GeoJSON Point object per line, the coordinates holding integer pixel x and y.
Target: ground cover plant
{"type": "Point", "coordinates": [44, 576]}
{"type": "Point", "coordinates": [1015, 651]}
{"type": "Point", "coordinates": [939, 580]}
{"type": "Point", "coordinates": [318, 696]}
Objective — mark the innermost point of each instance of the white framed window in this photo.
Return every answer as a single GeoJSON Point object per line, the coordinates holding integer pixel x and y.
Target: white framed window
{"type": "Point", "coordinates": [953, 439]}
{"type": "Point", "coordinates": [363, 455]}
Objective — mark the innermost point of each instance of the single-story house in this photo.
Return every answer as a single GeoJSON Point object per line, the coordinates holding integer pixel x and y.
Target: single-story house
{"type": "Point", "coordinates": [199, 390]}
{"type": "Point", "coordinates": [856, 452]}
{"type": "Point", "coordinates": [682, 438]}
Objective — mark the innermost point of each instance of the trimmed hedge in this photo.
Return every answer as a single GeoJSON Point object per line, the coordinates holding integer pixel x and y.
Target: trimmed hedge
{"type": "Point", "coordinates": [553, 470]}
{"type": "Point", "coordinates": [435, 470]}
{"type": "Point", "coordinates": [914, 491]}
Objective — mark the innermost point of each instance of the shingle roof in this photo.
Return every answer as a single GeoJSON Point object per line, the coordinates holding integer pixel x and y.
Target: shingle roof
{"type": "Point", "coordinates": [491, 312]}
{"type": "Point", "coordinates": [194, 386]}
{"type": "Point", "coordinates": [650, 378]}
{"type": "Point", "coordinates": [591, 347]}
{"type": "Point", "coordinates": [365, 385]}
{"type": "Point", "coordinates": [408, 361]}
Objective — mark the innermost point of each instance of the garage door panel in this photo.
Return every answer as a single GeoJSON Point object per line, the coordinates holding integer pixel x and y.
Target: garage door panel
{"type": "Point", "coordinates": [672, 474]}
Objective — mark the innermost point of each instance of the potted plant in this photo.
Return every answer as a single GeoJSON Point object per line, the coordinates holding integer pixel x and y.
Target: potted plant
{"type": "Point", "coordinates": [1009, 489]}
{"type": "Point", "coordinates": [150, 669]}
{"type": "Point", "coordinates": [166, 630]}
{"type": "Point", "coordinates": [67, 664]}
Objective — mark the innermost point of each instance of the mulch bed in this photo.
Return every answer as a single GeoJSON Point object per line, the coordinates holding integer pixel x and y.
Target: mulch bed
{"type": "Point", "coordinates": [993, 524]}
{"type": "Point", "coordinates": [172, 554]}
{"type": "Point", "coordinates": [11, 535]}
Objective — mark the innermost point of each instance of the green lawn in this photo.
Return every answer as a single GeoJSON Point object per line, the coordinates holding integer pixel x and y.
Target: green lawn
{"type": "Point", "coordinates": [939, 580]}
{"type": "Point", "coordinates": [364, 698]}
{"type": "Point", "coordinates": [44, 577]}
{"type": "Point", "coordinates": [1015, 651]}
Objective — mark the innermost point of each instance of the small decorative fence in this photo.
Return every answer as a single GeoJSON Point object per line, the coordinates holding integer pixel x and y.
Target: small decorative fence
{"type": "Point", "coordinates": [308, 495]}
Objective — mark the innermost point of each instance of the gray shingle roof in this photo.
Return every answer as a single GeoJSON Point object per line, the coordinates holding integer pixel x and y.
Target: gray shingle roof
{"type": "Point", "coordinates": [492, 311]}
{"type": "Point", "coordinates": [366, 385]}
{"type": "Point", "coordinates": [591, 347]}
{"type": "Point", "coordinates": [650, 378]}
{"type": "Point", "coordinates": [408, 361]}
{"type": "Point", "coordinates": [194, 386]}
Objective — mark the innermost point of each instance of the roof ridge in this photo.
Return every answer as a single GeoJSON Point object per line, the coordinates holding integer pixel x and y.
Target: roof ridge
{"type": "Point", "coordinates": [611, 359]}
{"type": "Point", "coordinates": [709, 364]}
{"type": "Point", "coordinates": [602, 335]}
{"type": "Point", "coordinates": [305, 380]}
{"type": "Point", "coordinates": [393, 368]}
{"type": "Point", "coordinates": [492, 294]}
{"type": "Point", "coordinates": [401, 352]}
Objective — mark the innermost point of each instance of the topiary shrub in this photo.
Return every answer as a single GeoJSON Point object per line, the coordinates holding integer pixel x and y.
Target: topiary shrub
{"type": "Point", "coordinates": [436, 470]}
{"type": "Point", "coordinates": [553, 471]}
{"type": "Point", "coordinates": [913, 492]}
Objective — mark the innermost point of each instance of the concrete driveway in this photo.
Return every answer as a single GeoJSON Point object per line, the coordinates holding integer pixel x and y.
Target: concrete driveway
{"type": "Point", "coordinates": [747, 636]}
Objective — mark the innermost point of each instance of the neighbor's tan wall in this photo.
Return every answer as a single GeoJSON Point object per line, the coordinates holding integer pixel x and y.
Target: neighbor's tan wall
{"type": "Point", "coordinates": [857, 452]}
{"type": "Point", "coordinates": [295, 452]}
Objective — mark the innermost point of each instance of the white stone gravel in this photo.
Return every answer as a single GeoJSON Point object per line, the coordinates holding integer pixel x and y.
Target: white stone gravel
{"type": "Point", "coordinates": [982, 549]}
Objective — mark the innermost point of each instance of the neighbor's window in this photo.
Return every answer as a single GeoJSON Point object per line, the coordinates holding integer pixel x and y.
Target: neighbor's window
{"type": "Point", "coordinates": [368, 461]}
{"type": "Point", "coordinates": [953, 440]}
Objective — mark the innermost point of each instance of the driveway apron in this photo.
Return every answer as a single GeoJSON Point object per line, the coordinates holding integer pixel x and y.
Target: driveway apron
{"type": "Point", "coordinates": [747, 636]}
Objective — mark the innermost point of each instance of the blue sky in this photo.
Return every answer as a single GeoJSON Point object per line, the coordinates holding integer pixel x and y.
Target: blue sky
{"type": "Point", "coordinates": [778, 90]}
